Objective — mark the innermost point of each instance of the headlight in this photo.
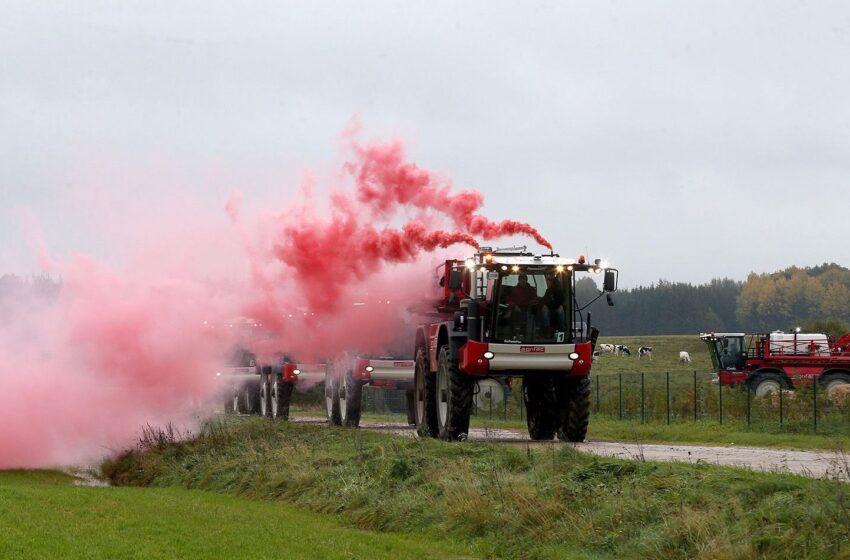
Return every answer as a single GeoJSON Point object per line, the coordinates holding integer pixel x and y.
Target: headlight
{"type": "Point", "coordinates": [218, 374]}
{"type": "Point", "coordinates": [296, 371]}
{"type": "Point", "coordinates": [574, 356]}
{"type": "Point", "coordinates": [489, 355]}
{"type": "Point", "coordinates": [370, 369]}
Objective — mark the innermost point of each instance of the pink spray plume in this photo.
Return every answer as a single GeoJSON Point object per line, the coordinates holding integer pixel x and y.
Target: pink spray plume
{"type": "Point", "coordinates": [125, 346]}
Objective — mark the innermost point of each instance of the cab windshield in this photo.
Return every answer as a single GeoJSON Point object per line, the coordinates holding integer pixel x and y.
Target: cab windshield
{"type": "Point", "coordinates": [531, 308]}
{"type": "Point", "coordinates": [728, 353]}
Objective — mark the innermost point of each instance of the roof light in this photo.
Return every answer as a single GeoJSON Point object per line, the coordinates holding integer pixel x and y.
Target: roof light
{"type": "Point", "coordinates": [559, 268]}
{"type": "Point", "coordinates": [581, 259]}
{"type": "Point", "coordinates": [482, 269]}
{"type": "Point", "coordinates": [504, 267]}
{"type": "Point", "coordinates": [515, 268]}
{"type": "Point", "coordinates": [470, 263]}
{"type": "Point", "coordinates": [488, 258]}
{"type": "Point", "coordinates": [570, 268]}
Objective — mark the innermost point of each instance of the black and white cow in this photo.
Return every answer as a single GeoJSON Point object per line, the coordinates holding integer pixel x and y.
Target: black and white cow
{"type": "Point", "coordinates": [606, 348]}
{"type": "Point", "coordinates": [645, 351]}
{"type": "Point", "coordinates": [622, 350]}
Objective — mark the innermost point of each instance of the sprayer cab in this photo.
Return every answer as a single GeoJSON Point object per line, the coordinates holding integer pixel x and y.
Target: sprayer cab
{"type": "Point", "coordinates": [513, 296]}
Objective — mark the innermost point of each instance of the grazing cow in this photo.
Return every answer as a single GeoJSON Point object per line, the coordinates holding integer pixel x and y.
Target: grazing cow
{"type": "Point", "coordinates": [595, 355]}
{"type": "Point", "coordinates": [622, 350]}
{"type": "Point", "coordinates": [605, 348]}
{"type": "Point", "coordinates": [645, 351]}
{"type": "Point", "coordinates": [684, 357]}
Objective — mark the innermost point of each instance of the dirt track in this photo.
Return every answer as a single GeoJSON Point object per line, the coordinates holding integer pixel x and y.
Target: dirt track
{"type": "Point", "coordinates": [814, 464]}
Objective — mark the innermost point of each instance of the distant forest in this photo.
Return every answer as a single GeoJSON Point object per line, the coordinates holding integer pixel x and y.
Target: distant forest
{"type": "Point", "coordinates": [815, 298]}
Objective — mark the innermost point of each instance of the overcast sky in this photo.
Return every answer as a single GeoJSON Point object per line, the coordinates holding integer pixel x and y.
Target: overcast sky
{"type": "Point", "coordinates": [679, 140]}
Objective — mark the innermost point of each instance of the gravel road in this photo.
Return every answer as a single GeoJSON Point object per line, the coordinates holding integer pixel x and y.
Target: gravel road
{"type": "Point", "coordinates": [814, 464]}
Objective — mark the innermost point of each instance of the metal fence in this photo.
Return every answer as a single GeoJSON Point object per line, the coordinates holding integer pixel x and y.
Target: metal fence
{"type": "Point", "coordinates": [666, 398]}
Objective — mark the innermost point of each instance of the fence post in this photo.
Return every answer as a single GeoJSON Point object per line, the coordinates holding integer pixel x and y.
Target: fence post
{"type": "Point", "coordinates": [521, 403]}
{"type": "Point", "coordinates": [642, 388]}
{"type": "Point", "coordinates": [621, 395]}
{"type": "Point", "coordinates": [781, 419]}
{"type": "Point", "coordinates": [668, 397]}
{"type": "Point", "coordinates": [749, 405]}
{"type": "Point", "coordinates": [505, 401]}
{"type": "Point", "coordinates": [720, 405]}
{"type": "Point", "coordinates": [597, 394]}
{"type": "Point", "coordinates": [491, 404]}
{"type": "Point", "coordinates": [695, 395]}
{"type": "Point", "coordinates": [815, 402]}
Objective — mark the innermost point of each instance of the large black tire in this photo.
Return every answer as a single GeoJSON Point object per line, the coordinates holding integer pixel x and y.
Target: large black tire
{"type": "Point", "coordinates": [454, 398]}
{"type": "Point", "coordinates": [835, 379]}
{"type": "Point", "coordinates": [573, 396]}
{"type": "Point", "coordinates": [264, 393]}
{"type": "Point", "coordinates": [332, 400]}
{"type": "Point", "coordinates": [284, 397]}
{"type": "Point", "coordinates": [248, 400]}
{"type": "Point", "coordinates": [231, 401]}
{"type": "Point", "coordinates": [424, 396]}
{"type": "Point", "coordinates": [763, 384]}
{"type": "Point", "coordinates": [410, 401]}
{"type": "Point", "coordinates": [350, 399]}
{"type": "Point", "coordinates": [539, 396]}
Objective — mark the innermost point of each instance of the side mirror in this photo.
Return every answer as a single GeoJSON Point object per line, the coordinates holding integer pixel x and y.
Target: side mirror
{"type": "Point", "coordinates": [609, 284]}
{"type": "Point", "coordinates": [456, 279]}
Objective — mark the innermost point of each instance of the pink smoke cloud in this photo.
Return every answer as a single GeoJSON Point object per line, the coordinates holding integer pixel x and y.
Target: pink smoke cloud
{"type": "Point", "coordinates": [138, 342]}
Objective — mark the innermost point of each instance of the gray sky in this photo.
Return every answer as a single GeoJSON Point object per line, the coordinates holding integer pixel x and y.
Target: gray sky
{"type": "Point", "coordinates": [680, 140]}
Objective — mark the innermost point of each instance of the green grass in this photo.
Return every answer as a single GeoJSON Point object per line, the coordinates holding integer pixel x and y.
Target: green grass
{"type": "Point", "coordinates": [43, 515]}
{"type": "Point", "coordinates": [507, 501]}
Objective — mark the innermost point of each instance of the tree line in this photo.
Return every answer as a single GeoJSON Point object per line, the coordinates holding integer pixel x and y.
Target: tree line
{"type": "Point", "coordinates": [813, 298]}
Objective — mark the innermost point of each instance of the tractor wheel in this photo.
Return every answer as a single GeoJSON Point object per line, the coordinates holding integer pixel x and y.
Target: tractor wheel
{"type": "Point", "coordinates": [247, 398]}
{"type": "Point", "coordinates": [231, 402]}
{"type": "Point", "coordinates": [539, 396]}
{"type": "Point", "coordinates": [424, 397]}
{"type": "Point", "coordinates": [275, 391]}
{"type": "Point", "coordinates": [410, 401]}
{"type": "Point", "coordinates": [284, 397]}
{"type": "Point", "coordinates": [263, 396]}
{"type": "Point", "coordinates": [767, 383]}
{"type": "Point", "coordinates": [573, 396]}
{"type": "Point", "coordinates": [331, 400]}
{"type": "Point", "coordinates": [833, 380]}
{"type": "Point", "coordinates": [454, 398]}
{"type": "Point", "coordinates": [350, 395]}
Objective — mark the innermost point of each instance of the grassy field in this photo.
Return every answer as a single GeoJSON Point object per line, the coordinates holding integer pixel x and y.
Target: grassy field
{"type": "Point", "coordinates": [44, 515]}
{"type": "Point", "coordinates": [505, 501]}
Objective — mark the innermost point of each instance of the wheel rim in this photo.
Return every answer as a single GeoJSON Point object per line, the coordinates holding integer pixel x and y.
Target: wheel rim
{"type": "Point", "coordinates": [767, 387]}
{"type": "Point", "coordinates": [442, 395]}
{"type": "Point", "coordinates": [342, 397]}
{"type": "Point", "coordinates": [247, 400]}
{"type": "Point", "coordinates": [264, 393]}
{"type": "Point", "coordinates": [419, 398]}
{"type": "Point", "coordinates": [275, 391]}
{"type": "Point", "coordinates": [832, 384]}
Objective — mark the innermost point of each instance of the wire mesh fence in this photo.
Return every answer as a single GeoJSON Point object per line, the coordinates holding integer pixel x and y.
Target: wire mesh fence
{"type": "Point", "coordinates": [664, 398]}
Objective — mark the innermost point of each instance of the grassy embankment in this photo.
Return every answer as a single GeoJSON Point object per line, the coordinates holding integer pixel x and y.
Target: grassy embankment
{"type": "Point", "coordinates": [505, 501]}
{"type": "Point", "coordinates": [649, 423]}
{"type": "Point", "coordinates": [44, 515]}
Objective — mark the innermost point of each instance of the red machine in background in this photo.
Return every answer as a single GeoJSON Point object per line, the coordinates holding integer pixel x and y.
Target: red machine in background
{"type": "Point", "coordinates": [769, 362]}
